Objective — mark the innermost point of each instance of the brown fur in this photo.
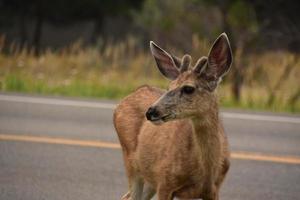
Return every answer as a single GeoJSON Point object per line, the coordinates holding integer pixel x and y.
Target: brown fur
{"type": "Point", "coordinates": [185, 154]}
{"type": "Point", "coordinates": [186, 158]}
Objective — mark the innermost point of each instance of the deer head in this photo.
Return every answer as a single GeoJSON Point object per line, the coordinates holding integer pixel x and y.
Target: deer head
{"type": "Point", "coordinates": [191, 91]}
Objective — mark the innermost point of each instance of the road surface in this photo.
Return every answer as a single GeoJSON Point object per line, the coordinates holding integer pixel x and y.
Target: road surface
{"type": "Point", "coordinates": [61, 148]}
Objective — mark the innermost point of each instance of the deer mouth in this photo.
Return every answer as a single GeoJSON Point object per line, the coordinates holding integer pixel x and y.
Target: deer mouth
{"type": "Point", "coordinates": [165, 118]}
{"type": "Point", "coordinates": [157, 117]}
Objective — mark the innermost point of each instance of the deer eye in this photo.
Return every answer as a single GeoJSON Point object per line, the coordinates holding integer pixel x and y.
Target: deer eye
{"type": "Point", "coordinates": [187, 89]}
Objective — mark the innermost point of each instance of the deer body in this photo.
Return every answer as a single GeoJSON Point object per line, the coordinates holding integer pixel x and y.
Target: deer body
{"type": "Point", "coordinates": [186, 158]}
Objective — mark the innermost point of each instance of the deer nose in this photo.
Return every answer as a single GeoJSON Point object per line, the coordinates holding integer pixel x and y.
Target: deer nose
{"type": "Point", "coordinates": [152, 113]}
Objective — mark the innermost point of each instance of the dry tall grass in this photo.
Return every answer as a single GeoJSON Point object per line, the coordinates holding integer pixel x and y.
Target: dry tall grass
{"type": "Point", "coordinates": [113, 70]}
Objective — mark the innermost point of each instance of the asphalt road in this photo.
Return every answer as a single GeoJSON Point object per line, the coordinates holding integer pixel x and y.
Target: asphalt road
{"type": "Point", "coordinates": [59, 149]}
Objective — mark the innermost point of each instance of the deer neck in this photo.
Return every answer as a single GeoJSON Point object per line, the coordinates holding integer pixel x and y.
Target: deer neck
{"type": "Point", "coordinates": [207, 125]}
{"type": "Point", "coordinates": [206, 132]}
{"type": "Point", "coordinates": [208, 145]}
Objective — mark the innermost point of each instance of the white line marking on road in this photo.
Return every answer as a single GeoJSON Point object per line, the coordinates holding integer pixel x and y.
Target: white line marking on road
{"type": "Point", "coordinates": [58, 102]}
{"type": "Point", "coordinates": [87, 104]}
{"type": "Point", "coordinates": [261, 117]}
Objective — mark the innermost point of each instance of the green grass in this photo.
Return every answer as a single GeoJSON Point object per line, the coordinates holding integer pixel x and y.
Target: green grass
{"type": "Point", "coordinates": [75, 88]}
{"type": "Point", "coordinates": [96, 89]}
{"type": "Point", "coordinates": [117, 70]}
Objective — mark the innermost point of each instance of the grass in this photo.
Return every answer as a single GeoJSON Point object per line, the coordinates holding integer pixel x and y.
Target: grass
{"type": "Point", "coordinates": [114, 70]}
{"type": "Point", "coordinates": [76, 87]}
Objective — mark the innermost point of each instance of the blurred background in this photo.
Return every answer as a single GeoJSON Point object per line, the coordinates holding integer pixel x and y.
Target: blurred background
{"type": "Point", "coordinates": [65, 64]}
{"type": "Point", "coordinates": [100, 48]}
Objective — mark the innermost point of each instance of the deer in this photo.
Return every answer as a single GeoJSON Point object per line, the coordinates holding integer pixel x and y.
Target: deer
{"type": "Point", "coordinates": [173, 141]}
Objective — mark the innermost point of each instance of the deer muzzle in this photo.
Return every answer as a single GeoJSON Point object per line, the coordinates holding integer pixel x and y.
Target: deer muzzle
{"type": "Point", "coordinates": [152, 114]}
{"type": "Point", "coordinates": [155, 116]}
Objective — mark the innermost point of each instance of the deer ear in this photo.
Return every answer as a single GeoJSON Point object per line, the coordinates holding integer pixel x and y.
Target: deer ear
{"type": "Point", "coordinates": [165, 62]}
{"type": "Point", "coordinates": [218, 62]}
{"type": "Point", "coordinates": [219, 59]}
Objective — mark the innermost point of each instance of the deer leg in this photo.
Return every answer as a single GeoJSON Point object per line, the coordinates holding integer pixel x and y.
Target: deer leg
{"type": "Point", "coordinates": [148, 192]}
{"type": "Point", "coordinates": [126, 196]}
{"type": "Point", "coordinates": [196, 199]}
{"type": "Point", "coordinates": [136, 189]}
{"type": "Point", "coordinates": [164, 194]}
{"type": "Point", "coordinates": [217, 196]}
{"type": "Point", "coordinates": [211, 193]}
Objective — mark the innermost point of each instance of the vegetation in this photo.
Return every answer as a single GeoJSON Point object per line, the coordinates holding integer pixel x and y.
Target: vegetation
{"type": "Point", "coordinates": [109, 63]}
{"type": "Point", "coordinates": [114, 70]}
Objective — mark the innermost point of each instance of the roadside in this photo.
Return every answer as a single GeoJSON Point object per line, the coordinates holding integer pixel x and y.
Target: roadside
{"type": "Point", "coordinates": [225, 108]}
